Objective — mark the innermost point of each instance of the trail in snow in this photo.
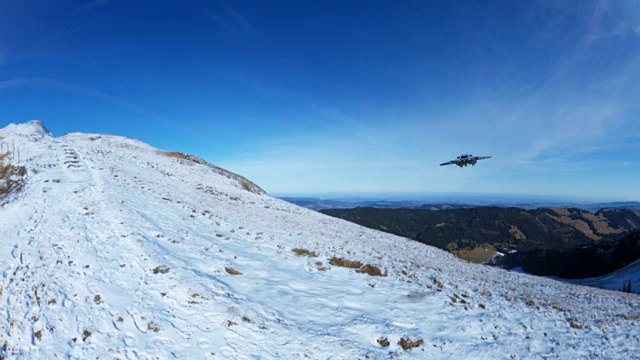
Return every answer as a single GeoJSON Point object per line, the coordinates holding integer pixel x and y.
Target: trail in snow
{"type": "Point", "coordinates": [114, 250]}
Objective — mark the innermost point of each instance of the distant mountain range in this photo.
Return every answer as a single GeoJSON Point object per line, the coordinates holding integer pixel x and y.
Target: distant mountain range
{"type": "Point", "coordinates": [506, 228]}
{"type": "Point", "coordinates": [322, 204]}
{"type": "Point", "coordinates": [350, 203]}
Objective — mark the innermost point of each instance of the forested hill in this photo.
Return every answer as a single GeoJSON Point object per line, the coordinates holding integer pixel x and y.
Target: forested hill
{"type": "Point", "coordinates": [505, 228]}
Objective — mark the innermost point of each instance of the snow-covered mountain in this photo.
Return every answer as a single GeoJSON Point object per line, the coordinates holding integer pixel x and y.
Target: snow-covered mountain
{"type": "Point", "coordinates": [113, 249]}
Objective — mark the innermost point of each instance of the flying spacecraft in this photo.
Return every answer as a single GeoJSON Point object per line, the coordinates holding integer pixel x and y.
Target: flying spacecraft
{"type": "Point", "coordinates": [465, 159]}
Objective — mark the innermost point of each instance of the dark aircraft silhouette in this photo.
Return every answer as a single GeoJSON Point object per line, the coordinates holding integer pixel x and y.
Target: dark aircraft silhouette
{"type": "Point", "coordinates": [465, 159]}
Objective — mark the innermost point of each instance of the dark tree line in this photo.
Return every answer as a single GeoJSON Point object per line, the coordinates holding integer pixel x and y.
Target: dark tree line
{"type": "Point", "coordinates": [577, 262]}
{"type": "Point", "coordinates": [627, 287]}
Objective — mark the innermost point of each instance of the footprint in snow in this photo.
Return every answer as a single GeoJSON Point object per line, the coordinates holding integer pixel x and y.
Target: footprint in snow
{"type": "Point", "coordinates": [129, 339]}
{"type": "Point", "coordinates": [203, 343]}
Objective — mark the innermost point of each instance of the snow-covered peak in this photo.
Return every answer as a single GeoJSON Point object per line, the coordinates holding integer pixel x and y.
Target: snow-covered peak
{"type": "Point", "coordinates": [115, 249]}
{"type": "Point", "coordinates": [31, 128]}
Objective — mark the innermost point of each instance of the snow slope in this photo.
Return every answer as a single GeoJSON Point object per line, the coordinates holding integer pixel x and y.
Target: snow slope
{"type": "Point", "coordinates": [115, 250]}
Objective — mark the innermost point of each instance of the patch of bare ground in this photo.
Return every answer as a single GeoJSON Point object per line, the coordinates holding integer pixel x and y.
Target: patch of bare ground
{"type": "Point", "coordinates": [585, 229]}
{"type": "Point", "coordinates": [153, 326]}
{"type": "Point", "coordinates": [479, 254]}
{"type": "Point", "coordinates": [371, 270]}
{"type": "Point", "coordinates": [384, 342]}
{"type": "Point", "coordinates": [232, 271]}
{"type": "Point", "coordinates": [580, 225]}
{"type": "Point", "coordinates": [601, 224]}
{"type": "Point", "coordinates": [517, 233]}
{"type": "Point", "coordinates": [361, 268]}
{"type": "Point", "coordinates": [11, 177]}
{"type": "Point", "coordinates": [335, 261]}
{"type": "Point", "coordinates": [407, 344]}
{"type": "Point", "coordinates": [561, 211]}
{"type": "Point", "coordinates": [575, 325]}
{"type": "Point", "coordinates": [304, 252]}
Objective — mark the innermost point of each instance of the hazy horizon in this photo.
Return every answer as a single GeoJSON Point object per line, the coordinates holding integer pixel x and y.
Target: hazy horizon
{"type": "Point", "coordinates": [454, 197]}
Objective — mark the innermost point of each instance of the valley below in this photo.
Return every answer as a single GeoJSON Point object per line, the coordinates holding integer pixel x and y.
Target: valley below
{"type": "Point", "coordinates": [562, 242]}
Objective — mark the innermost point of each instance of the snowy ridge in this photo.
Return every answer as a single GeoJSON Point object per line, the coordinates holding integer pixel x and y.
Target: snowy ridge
{"type": "Point", "coordinates": [114, 250]}
{"type": "Point", "coordinates": [32, 128]}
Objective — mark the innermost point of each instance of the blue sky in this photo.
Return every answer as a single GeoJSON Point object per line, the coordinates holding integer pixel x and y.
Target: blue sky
{"type": "Point", "coordinates": [307, 97]}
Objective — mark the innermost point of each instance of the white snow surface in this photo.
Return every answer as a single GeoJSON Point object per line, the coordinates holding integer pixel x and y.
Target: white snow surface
{"type": "Point", "coordinates": [99, 213]}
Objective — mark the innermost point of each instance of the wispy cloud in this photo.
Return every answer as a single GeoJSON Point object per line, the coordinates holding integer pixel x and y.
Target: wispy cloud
{"type": "Point", "coordinates": [228, 18]}
{"type": "Point", "coordinates": [92, 4]}
{"type": "Point", "coordinates": [219, 19]}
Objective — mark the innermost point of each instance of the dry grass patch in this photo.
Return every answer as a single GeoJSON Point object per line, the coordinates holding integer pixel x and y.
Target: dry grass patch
{"type": "Point", "coordinates": [361, 268]}
{"type": "Point", "coordinates": [232, 271]}
{"type": "Point", "coordinates": [457, 299]}
{"type": "Point", "coordinates": [575, 325]}
{"type": "Point", "coordinates": [174, 154]}
{"type": "Point", "coordinates": [304, 252]}
{"type": "Point", "coordinates": [578, 224]}
{"type": "Point", "coordinates": [407, 344]}
{"type": "Point", "coordinates": [438, 283]}
{"type": "Point", "coordinates": [562, 211]}
{"type": "Point", "coordinates": [345, 263]}
{"type": "Point", "coordinates": [10, 176]}
{"type": "Point", "coordinates": [517, 233]}
{"type": "Point", "coordinates": [384, 342]}
{"type": "Point", "coordinates": [479, 254]}
{"type": "Point", "coordinates": [371, 270]}
{"type": "Point", "coordinates": [153, 327]}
